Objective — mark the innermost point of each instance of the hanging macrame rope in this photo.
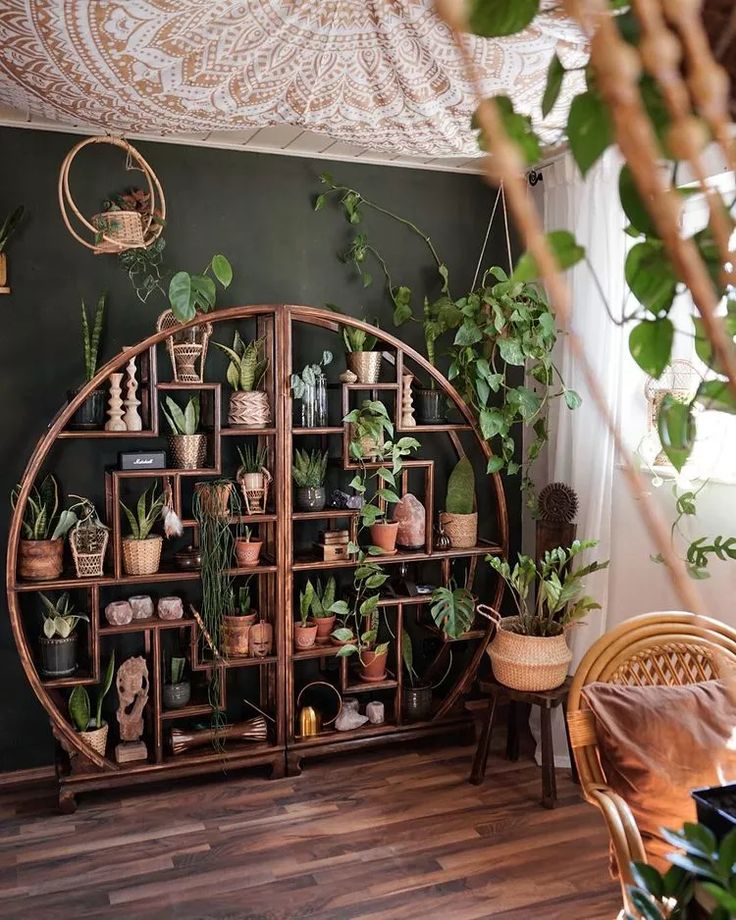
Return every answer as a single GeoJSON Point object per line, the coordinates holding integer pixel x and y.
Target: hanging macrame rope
{"type": "Point", "coordinates": [500, 196]}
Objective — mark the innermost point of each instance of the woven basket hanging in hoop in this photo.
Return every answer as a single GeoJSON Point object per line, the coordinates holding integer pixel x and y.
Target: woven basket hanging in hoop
{"type": "Point", "coordinates": [187, 348]}
{"type": "Point", "coordinates": [91, 562]}
{"type": "Point", "coordinates": [254, 487]}
{"type": "Point", "coordinates": [115, 231]}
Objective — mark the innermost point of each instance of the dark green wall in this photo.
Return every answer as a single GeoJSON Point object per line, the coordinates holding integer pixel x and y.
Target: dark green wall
{"type": "Point", "coordinates": [255, 208]}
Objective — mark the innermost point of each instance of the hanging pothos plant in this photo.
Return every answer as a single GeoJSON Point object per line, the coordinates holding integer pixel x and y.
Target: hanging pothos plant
{"type": "Point", "coordinates": [503, 323]}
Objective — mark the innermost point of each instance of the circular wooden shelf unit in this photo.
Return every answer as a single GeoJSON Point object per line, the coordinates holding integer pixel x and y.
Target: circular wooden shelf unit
{"type": "Point", "coordinates": [276, 324]}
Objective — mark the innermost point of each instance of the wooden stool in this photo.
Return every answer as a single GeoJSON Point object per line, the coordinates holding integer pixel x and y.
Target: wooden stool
{"type": "Point", "coordinates": [547, 700]}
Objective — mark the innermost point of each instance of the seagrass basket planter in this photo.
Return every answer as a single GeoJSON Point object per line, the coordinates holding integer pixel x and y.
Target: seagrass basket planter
{"type": "Point", "coordinates": [214, 497]}
{"type": "Point", "coordinates": [88, 546]}
{"type": "Point", "coordinates": [187, 348]}
{"type": "Point", "coordinates": [96, 739]}
{"type": "Point", "coordinates": [142, 557]}
{"type": "Point", "coordinates": [462, 529]}
{"type": "Point", "coordinates": [528, 663]}
{"type": "Point", "coordinates": [120, 230]}
{"type": "Point", "coordinates": [249, 409]}
{"type": "Point", "coordinates": [188, 451]}
{"type": "Point", "coordinates": [254, 487]}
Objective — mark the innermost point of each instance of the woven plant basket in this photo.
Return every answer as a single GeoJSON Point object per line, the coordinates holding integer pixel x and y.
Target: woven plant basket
{"type": "Point", "coordinates": [529, 663]}
{"type": "Point", "coordinates": [188, 451]}
{"type": "Point", "coordinates": [187, 348]}
{"type": "Point", "coordinates": [96, 739]}
{"type": "Point", "coordinates": [123, 229]}
{"type": "Point", "coordinates": [254, 487]}
{"type": "Point", "coordinates": [462, 529]}
{"type": "Point", "coordinates": [249, 409]}
{"type": "Point", "coordinates": [142, 557]}
{"type": "Point", "coordinates": [92, 562]}
{"type": "Point", "coordinates": [366, 365]}
{"type": "Point", "coordinates": [215, 501]}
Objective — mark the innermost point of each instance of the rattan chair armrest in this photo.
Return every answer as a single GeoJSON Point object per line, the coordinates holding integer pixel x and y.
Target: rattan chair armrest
{"type": "Point", "coordinates": [625, 837]}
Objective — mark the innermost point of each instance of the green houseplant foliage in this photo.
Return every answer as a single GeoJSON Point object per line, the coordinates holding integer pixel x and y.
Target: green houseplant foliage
{"type": "Point", "coordinates": [91, 337]}
{"type": "Point", "coordinates": [79, 702]}
{"type": "Point", "coordinates": [42, 518]}
{"type": "Point", "coordinates": [308, 376]}
{"type": "Point", "coordinates": [453, 610]}
{"type": "Point", "coordinates": [247, 365]}
{"type": "Point", "coordinates": [60, 618]}
{"type": "Point", "coordinates": [189, 294]}
{"type": "Point", "coordinates": [147, 510]}
{"type": "Point", "coordinates": [310, 468]}
{"type": "Point", "coordinates": [461, 488]}
{"type": "Point", "coordinates": [253, 459]}
{"type": "Point", "coordinates": [186, 422]}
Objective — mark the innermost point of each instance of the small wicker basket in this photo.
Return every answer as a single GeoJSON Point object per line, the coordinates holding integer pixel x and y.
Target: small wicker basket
{"type": "Point", "coordinates": [121, 229]}
{"type": "Point", "coordinates": [90, 563]}
{"type": "Point", "coordinates": [528, 663]}
{"type": "Point", "coordinates": [187, 348]}
{"type": "Point", "coordinates": [249, 409]}
{"type": "Point", "coordinates": [96, 739]}
{"type": "Point", "coordinates": [142, 557]}
{"type": "Point", "coordinates": [462, 529]}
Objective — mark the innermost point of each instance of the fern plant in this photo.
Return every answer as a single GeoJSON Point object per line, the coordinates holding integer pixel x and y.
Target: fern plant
{"type": "Point", "coordinates": [42, 518]}
{"type": "Point", "coordinates": [248, 363]}
{"type": "Point", "coordinates": [91, 337]}
{"type": "Point", "coordinates": [186, 422]}
{"type": "Point", "coordinates": [310, 468]}
{"type": "Point", "coordinates": [79, 704]}
{"type": "Point", "coordinates": [147, 510]}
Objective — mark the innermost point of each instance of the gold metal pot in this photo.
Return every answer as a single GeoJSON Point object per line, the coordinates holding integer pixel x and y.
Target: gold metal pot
{"type": "Point", "coordinates": [366, 365]}
{"type": "Point", "coordinates": [188, 451]}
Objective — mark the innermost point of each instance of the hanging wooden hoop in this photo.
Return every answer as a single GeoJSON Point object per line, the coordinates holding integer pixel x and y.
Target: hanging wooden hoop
{"type": "Point", "coordinates": [136, 234]}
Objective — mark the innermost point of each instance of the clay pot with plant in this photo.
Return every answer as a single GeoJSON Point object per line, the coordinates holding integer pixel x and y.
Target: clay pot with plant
{"type": "Point", "coordinates": [8, 228]}
{"type": "Point", "coordinates": [361, 355]}
{"type": "Point", "coordinates": [321, 608]}
{"type": "Point", "coordinates": [141, 549]}
{"type": "Point", "coordinates": [460, 519]}
{"type": "Point", "coordinates": [176, 690]}
{"type": "Point", "coordinates": [305, 630]}
{"type": "Point", "coordinates": [91, 414]}
{"type": "Point", "coordinates": [44, 526]}
{"type": "Point", "coordinates": [529, 650]}
{"type": "Point", "coordinates": [187, 446]}
{"type": "Point", "coordinates": [249, 406]}
{"type": "Point", "coordinates": [309, 472]}
{"type": "Point", "coordinates": [236, 624]}
{"type": "Point", "coordinates": [247, 549]}
{"type": "Point", "coordinates": [377, 485]}
{"type": "Point", "coordinates": [58, 642]}
{"type": "Point", "coordinates": [93, 731]}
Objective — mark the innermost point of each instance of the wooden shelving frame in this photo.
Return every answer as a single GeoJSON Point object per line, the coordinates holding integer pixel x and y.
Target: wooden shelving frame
{"type": "Point", "coordinates": [279, 569]}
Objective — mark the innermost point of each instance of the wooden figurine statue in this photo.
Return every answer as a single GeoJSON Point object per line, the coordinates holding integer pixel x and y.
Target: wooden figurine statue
{"type": "Point", "coordinates": [132, 687]}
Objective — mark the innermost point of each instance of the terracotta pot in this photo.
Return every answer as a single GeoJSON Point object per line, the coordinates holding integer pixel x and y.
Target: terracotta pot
{"type": "Point", "coordinates": [236, 635]}
{"type": "Point", "coordinates": [247, 552]}
{"type": "Point", "coordinates": [142, 557]}
{"type": "Point", "coordinates": [304, 636]}
{"type": "Point", "coordinates": [372, 666]}
{"type": "Point", "coordinates": [324, 625]}
{"type": "Point", "coordinates": [58, 656]}
{"type": "Point", "coordinates": [383, 534]}
{"type": "Point", "coordinates": [40, 560]}
{"type": "Point", "coordinates": [188, 451]}
{"type": "Point", "coordinates": [530, 663]}
{"type": "Point", "coordinates": [366, 365]}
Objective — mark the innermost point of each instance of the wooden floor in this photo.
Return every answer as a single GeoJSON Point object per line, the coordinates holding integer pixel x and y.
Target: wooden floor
{"type": "Point", "coordinates": [392, 834]}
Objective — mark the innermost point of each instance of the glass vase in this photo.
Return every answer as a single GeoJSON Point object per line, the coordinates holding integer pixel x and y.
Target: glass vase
{"type": "Point", "coordinates": [314, 404]}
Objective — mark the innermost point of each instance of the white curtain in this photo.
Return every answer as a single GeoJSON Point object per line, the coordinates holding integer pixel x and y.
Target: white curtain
{"type": "Point", "coordinates": [580, 450]}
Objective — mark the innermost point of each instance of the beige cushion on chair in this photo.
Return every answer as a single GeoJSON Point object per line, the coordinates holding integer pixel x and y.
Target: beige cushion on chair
{"type": "Point", "coordinates": [657, 744]}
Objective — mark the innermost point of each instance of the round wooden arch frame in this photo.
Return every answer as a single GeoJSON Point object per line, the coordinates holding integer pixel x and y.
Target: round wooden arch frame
{"type": "Point", "coordinates": [151, 228]}
{"type": "Point", "coordinates": [319, 317]}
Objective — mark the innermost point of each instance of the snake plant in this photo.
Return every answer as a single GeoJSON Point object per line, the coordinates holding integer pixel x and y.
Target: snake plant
{"type": "Point", "coordinates": [248, 363]}
{"type": "Point", "coordinates": [147, 510]}
{"type": "Point", "coordinates": [42, 519]}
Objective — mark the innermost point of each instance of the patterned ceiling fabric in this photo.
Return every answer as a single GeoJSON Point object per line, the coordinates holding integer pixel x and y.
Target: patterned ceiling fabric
{"type": "Point", "coordinates": [381, 74]}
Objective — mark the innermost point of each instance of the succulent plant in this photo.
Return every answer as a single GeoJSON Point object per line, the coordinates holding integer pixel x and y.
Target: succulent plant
{"type": "Point", "coordinates": [60, 618]}
{"type": "Point", "coordinates": [310, 468]}
{"type": "Point", "coordinates": [186, 422]}
{"type": "Point", "coordinates": [248, 363]}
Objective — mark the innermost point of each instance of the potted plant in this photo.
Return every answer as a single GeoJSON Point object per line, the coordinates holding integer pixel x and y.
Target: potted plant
{"type": "Point", "coordinates": [321, 608]}
{"type": "Point", "coordinates": [92, 731]}
{"type": "Point", "coordinates": [215, 496]}
{"type": "Point", "coordinates": [362, 357]}
{"type": "Point", "coordinates": [309, 471]}
{"type": "Point", "coordinates": [44, 526]}
{"type": "Point", "coordinates": [91, 414]}
{"type": "Point", "coordinates": [176, 691]}
{"type": "Point", "coordinates": [58, 643]}
{"type": "Point", "coordinates": [459, 519]}
{"type": "Point", "coordinates": [417, 696]}
{"type": "Point", "coordinates": [249, 407]}
{"type": "Point", "coordinates": [360, 618]}
{"type": "Point", "coordinates": [305, 632]}
{"type": "Point", "coordinates": [372, 419]}
{"type": "Point", "coordinates": [237, 623]}
{"type": "Point", "coordinates": [8, 228]}
{"type": "Point", "coordinates": [529, 650]}
{"type": "Point", "coordinates": [309, 386]}
{"type": "Point", "coordinates": [254, 477]}
{"type": "Point", "coordinates": [142, 550]}
{"type": "Point", "coordinates": [247, 550]}
{"type": "Point", "coordinates": [188, 447]}
{"type": "Point", "coordinates": [88, 539]}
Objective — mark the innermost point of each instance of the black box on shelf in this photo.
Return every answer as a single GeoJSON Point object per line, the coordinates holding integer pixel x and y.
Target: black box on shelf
{"type": "Point", "coordinates": [142, 460]}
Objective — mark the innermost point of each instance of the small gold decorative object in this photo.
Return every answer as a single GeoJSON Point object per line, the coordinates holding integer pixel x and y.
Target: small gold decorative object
{"type": "Point", "coordinates": [309, 722]}
{"type": "Point", "coordinates": [348, 377]}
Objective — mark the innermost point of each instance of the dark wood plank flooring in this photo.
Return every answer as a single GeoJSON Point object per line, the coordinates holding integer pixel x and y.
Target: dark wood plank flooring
{"type": "Point", "coordinates": [388, 835]}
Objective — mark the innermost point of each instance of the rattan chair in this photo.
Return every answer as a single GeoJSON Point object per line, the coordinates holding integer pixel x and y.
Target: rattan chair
{"type": "Point", "coordinates": [668, 649]}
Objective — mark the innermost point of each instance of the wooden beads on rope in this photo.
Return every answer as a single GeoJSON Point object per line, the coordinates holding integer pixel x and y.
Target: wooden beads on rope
{"type": "Point", "coordinates": [104, 239]}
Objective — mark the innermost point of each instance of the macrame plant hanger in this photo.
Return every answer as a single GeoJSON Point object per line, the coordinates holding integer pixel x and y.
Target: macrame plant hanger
{"type": "Point", "coordinates": [500, 196]}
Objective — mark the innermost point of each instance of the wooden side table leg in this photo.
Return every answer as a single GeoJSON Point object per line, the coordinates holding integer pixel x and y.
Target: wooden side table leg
{"type": "Point", "coordinates": [573, 766]}
{"type": "Point", "coordinates": [549, 783]}
{"type": "Point", "coordinates": [512, 732]}
{"type": "Point", "coordinates": [478, 770]}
